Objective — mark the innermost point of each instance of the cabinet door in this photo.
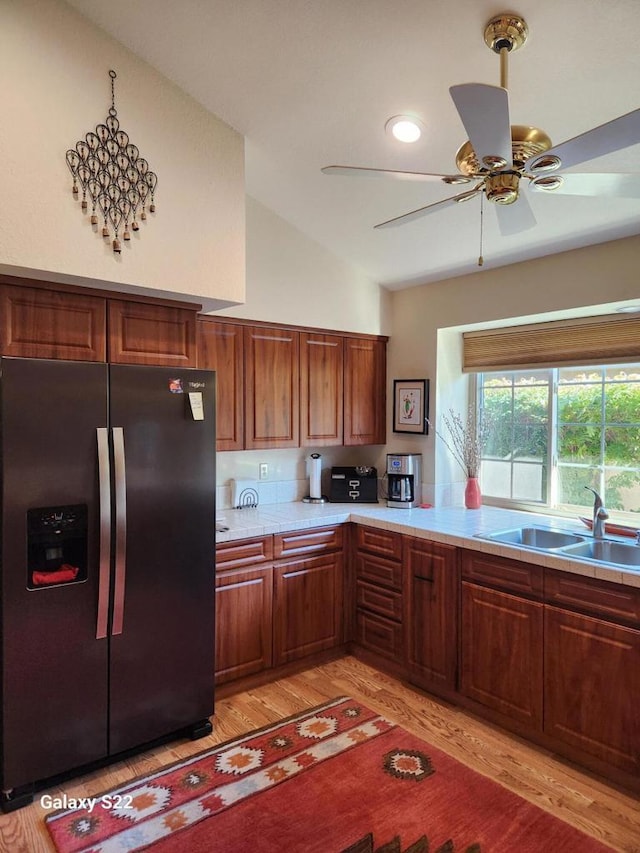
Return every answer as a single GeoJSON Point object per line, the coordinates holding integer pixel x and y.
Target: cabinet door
{"type": "Point", "coordinates": [151, 334]}
{"type": "Point", "coordinates": [307, 607]}
{"type": "Point", "coordinates": [272, 411]}
{"type": "Point", "coordinates": [321, 390]}
{"type": "Point", "coordinates": [501, 654]}
{"type": "Point", "coordinates": [364, 391]}
{"type": "Point", "coordinates": [40, 323]}
{"type": "Point", "coordinates": [220, 349]}
{"type": "Point", "coordinates": [431, 612]}
{"type": "Point", "coordinates": [243, 622]}
{"type": "Point", "coordinates": [592, 685]}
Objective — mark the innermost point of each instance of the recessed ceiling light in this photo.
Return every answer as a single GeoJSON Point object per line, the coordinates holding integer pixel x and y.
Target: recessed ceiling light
{"type": "Point", "coordinates": [404, 128]}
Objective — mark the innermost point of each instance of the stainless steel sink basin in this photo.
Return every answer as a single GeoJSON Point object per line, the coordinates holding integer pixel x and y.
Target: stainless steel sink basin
{"type": "Point", "coordinates": [535, 537]}
{"type": "Point", "coordinates": [606, 551]}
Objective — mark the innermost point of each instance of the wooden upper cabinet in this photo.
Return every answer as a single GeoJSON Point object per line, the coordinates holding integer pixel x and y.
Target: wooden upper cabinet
{"type": "Point", "coordinates": [321, 390]}
{"type": "Point", "coordinates": [220, 349]}
{"type": "Point", "coordinates": [140, 333]}
{"type": "Point", "coordinates": [271, 387]}
{"type": "Point", "coordinates": [39, 323]}
{"type": "Point", "coordinates": [364, 391]}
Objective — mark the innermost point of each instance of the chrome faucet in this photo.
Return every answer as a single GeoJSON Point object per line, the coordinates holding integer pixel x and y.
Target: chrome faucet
{"type": "Point", "coordinates": [600, 515]}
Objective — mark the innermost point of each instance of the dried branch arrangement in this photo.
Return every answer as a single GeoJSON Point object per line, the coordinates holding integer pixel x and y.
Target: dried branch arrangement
{"type": "Point", "coordinates": [467, 438]}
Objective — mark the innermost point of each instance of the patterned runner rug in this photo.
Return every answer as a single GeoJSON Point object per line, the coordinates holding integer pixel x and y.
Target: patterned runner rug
{"type": "Point", "coordinates": [338, 778]}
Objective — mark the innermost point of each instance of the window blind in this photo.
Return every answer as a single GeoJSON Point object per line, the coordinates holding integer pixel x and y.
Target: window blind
{"type": "Point", "coordinates": [584, 341]}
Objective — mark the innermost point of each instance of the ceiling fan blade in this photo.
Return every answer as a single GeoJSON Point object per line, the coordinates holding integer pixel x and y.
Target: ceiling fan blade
{"type": "Point", "coordinates": [515, 218]}
{"type": "Point", "coordinates": [612, 136]}
{"type": "Point", "coordinates": [606, 184]}
{"type": "Point", "coordinates": [395, 173]}
{"type": "Point", "coordinates": [430, 208]}
{"type": "Point", "coordinates": [484, 111]}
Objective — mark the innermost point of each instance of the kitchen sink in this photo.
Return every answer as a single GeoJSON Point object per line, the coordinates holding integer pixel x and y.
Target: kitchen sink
{"type": "Point", "coordinates": [535, 537]}
{"type": "Point", "coordinates": [568, 545]}
{"type": "Point", "coordinates": [606, 551]}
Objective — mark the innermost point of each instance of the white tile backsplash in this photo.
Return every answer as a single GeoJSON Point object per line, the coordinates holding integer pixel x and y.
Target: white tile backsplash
{"type": "Point", "coordinates": [287, 480]}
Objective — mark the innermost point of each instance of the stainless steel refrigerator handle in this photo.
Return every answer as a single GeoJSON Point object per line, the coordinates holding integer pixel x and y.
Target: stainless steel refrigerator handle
{"type": "Point", "coordinates": [104, 476]}
{"type": "Point", "coordinates": [120, 480]}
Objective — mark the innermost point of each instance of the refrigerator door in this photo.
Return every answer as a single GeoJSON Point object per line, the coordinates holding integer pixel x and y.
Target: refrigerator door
{"type": "Point", "coordinates": [54, 670]}
{"type": "Point", "coordinates": [162, 632]}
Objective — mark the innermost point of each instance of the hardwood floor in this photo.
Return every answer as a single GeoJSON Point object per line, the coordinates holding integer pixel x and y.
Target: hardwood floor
{"type": "Point", "coordinates": [574, 796]}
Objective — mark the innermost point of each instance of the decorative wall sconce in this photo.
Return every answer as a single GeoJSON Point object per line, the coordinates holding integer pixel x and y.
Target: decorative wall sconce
{"type": "Point", "coordinates": [113, 176]}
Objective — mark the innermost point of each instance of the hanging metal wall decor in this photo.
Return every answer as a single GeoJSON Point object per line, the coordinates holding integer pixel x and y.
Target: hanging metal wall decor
{"type": "Point", "coordinates": [113, 177]}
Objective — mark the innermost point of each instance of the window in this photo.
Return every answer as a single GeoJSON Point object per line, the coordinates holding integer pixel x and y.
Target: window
{"type": "Point", "coordinates": [554, 431]}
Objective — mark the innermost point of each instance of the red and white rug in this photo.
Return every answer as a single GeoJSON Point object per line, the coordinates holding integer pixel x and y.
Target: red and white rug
{"type": "Point", "coordinates": [329, 779]}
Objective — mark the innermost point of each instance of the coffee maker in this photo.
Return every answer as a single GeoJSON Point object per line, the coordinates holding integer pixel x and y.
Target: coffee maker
{"type": "Point", "coordinates": [404, 478]}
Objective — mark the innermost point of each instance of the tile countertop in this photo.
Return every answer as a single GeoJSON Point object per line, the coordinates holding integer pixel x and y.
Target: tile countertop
{"type": "Point", "coordinates": [448, 525]}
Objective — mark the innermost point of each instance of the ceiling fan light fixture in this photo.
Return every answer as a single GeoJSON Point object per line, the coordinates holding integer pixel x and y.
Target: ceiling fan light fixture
{"type": "Point", "coordinates": [493, 162]}
{"type": "Point", "coordinates": [546, 163]}
{"type": "Point", "coordinates": [502, 188]}
{"type": "Point", "coordinates": [404, 128]}
{"type": "Point", "coordinates": [456, 179]}
{"type": "Point", "coordinates": [547, 182]}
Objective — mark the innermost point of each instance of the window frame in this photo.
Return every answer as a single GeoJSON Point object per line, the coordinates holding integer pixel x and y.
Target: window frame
{"type": "Point", "coordinates": [553, 465]}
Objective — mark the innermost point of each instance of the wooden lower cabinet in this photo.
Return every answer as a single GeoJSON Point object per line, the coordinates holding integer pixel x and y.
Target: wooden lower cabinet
{"type": "Point", "coordinates": [501, 653]}
{"type": "Point", "coordinates": [243, 622]}
{"type": "Point", "coordinates": [431, 612]}
{"type": "Point", "coordinates": [379, 609]}
{"type": "Point", "coordinates": [592, 687]}
{"type": "Point", "coordinates": [307, 606]}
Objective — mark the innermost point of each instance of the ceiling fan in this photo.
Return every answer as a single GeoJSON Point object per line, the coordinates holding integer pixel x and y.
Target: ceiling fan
{"type": "Point", "coordinates": [500, 158]}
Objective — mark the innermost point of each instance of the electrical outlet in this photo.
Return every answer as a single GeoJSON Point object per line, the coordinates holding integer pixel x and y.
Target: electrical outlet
{"type": "Point", "coordinates": [264, 470]}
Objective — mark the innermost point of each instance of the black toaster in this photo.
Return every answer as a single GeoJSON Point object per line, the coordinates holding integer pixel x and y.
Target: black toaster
{"type": "Point", "coordinates": [357, 484]}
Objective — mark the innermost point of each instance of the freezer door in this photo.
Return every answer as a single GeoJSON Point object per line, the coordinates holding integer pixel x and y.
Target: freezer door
{"type": "Point", "coordinates": [162, 634]}
{"type": "Point", "coordinates": [54, 670]}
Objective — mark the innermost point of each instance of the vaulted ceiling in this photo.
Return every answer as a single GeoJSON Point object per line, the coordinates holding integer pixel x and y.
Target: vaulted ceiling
{"type": "Point", "coordinates": [313, 83]}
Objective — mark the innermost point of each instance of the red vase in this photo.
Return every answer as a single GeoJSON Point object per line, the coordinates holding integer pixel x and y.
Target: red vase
{"type": "Point", "coordinates": [472, 494]}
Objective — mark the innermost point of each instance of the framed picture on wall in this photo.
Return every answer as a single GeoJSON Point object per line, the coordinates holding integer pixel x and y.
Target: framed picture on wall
{"type": "Point", "coordinates": [411, 405]}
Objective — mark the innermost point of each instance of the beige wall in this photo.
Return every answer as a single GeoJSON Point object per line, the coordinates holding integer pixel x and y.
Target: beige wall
{"type": "Point", "coordinates": [425, 340]}
{"type": "Point", "coordinates": [292, 279]}
{"type": "Point", "coordinates": [55, 88]}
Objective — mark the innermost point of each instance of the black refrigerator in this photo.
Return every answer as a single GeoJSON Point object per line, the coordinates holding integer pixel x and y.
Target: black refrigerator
{"type": "Point", "coordinates": [107, 562]}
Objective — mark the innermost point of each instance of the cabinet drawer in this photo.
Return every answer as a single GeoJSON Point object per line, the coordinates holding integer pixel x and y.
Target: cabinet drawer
{"type": "Point", "coordinates": [600, 598]}
{"type": "Point", "coordinates": [383, 601]}
{"type": "Point", "coordinates": [378, 634]}
{"type": "Point", "coordinates": [244, 552]}
{"type": "Point", "coordinates": [306, 542]}
{"type": "Point", "coordinates": [502, 573]}
{"type": "Point", "coordinates": [385, 543]}
{"type": "Point", "coordinates": [376, 570]}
